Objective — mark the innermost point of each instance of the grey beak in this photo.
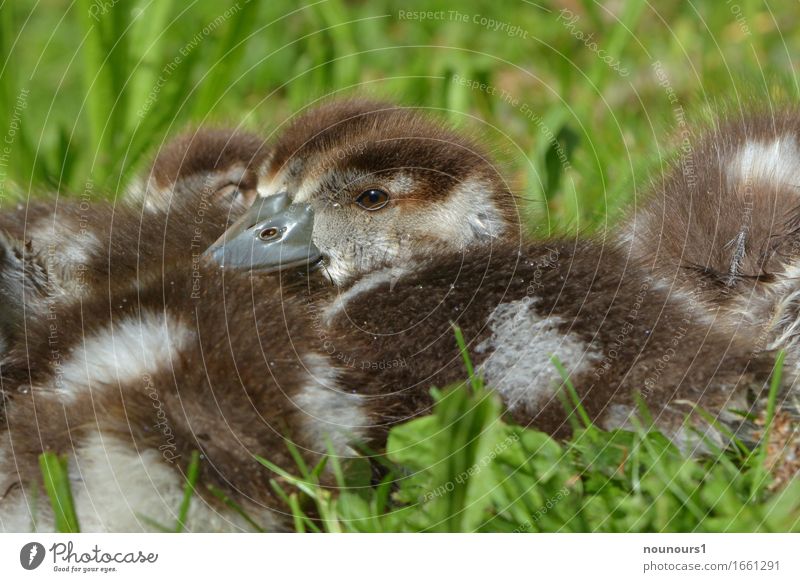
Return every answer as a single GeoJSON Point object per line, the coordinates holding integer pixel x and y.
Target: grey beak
{"type": "Point", "coordinates": [271, 236]}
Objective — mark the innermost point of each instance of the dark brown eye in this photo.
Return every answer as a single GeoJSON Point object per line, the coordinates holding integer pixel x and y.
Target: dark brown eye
{"type": "Point", "coordinates": [372, 199]}
{"type": "Point", "coordinates": [268, 234]}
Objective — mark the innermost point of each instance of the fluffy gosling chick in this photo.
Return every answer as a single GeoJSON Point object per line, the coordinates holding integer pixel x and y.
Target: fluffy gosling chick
{"type": "Point", "coordinates": [197, 185]}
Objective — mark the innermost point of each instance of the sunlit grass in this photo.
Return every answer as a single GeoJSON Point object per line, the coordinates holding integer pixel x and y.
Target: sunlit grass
{"type": "Point", "coordinates": [463, 468]}
{"type": "Point", "coordinates": [106, 87]}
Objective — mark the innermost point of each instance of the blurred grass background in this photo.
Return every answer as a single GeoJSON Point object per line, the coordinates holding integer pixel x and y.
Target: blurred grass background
{"type": "Point", "coordinates": [581, 99]}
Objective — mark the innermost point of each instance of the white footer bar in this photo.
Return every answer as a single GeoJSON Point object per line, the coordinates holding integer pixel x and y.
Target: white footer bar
{"type": "Point", "coordinates": [399, 557]}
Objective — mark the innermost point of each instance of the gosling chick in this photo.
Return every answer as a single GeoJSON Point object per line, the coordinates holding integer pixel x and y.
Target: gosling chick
{"type": "Point", "coordinates": [721, 223]}
{"type": "Point", "coordinates": [720, 226]}
{"type": "Point", "coordinates": [66, 250]}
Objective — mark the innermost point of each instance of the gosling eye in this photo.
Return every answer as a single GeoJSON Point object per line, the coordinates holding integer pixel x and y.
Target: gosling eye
{"type": "Point", "coordinates": [372, 199]}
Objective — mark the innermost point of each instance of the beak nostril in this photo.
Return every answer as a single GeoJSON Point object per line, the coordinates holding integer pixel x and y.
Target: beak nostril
{"type": "Point", "coordinates": [269, 234]}
{"type": "Point", "coordinates": [282, 238]}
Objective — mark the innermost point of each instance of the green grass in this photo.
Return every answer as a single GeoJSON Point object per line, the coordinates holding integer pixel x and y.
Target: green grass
{"type": "Point", "coordinates": [56, 484]}
{"type": "Point", "coordinates": [86, 95]}
{"type": "Point", "coordinates": [106, 88]}
{"type": "Point", "coordinates": [463, 468]}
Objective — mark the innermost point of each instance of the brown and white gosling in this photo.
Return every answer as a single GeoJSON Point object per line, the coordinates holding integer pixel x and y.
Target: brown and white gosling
{"type": "Point", "coordinates": [721, 227]}
{"type": "Point", "coordinates": [722, 223]}
{"type": "Point", "coordinates": [65, 249]}
{"type": "Point", "coordinates": [416, 230]}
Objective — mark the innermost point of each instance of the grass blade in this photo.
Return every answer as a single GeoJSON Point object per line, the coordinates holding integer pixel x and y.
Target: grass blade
{"type": "Point", "coordinates": [192, 474]}
{"type": "Point", "coordinates": [226, 60]}
{"type": "Point", "coordinates": [98, 87]}
{"type": "Point", "coordinates": [56, 483]}
{"type": "Point", "coordinates": [762, 473]}
{"type": "Point", "coordinates": [462, 347]}
{"type": "Point", "coordinates": [572, 393]}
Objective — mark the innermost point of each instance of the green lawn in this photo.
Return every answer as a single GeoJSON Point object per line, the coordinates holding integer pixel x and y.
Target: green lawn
{"type": "Point", "coordinates": [581, 103]}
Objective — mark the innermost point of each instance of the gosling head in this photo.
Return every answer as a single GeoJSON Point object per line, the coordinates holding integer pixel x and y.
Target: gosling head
{"type": "Point", "coordinates": [218, 166]}
{"type": "Point", "coordinates": [357, 186]}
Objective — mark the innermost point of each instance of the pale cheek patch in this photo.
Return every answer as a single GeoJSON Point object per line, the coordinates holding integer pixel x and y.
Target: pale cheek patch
{"type": "Point", "coordinates": [333, 416]}
{"type": "Point", "coordinates": [518, 363]}
{"type": "Point", "coordinates": [124, 352]}
{"type": "Point", "coordinates": [776, 162]}
{"type": "Point", "coordinates": [468, 215]}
